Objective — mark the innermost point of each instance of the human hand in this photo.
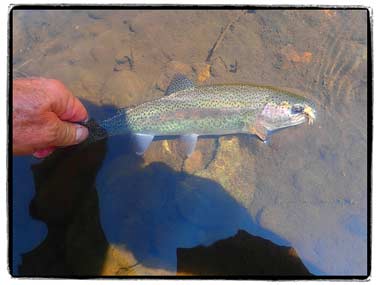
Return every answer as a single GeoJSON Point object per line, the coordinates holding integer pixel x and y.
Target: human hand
{"type": "Point", "coordinates": [44, 116]}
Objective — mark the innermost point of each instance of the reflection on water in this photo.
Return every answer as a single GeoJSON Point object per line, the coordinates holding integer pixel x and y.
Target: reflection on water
{"type": "Point", "coordinates": [106, 211]}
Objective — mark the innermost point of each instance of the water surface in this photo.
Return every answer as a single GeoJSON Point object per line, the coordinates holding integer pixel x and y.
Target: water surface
{"type": "Point", "coordinates": [102, 210]}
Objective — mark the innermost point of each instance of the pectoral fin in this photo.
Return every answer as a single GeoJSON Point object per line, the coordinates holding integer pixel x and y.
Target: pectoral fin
{"type": "Point", "coordinates": [260, 131]}
{"type": "Point", "coordinates": [190, 142]}
{"type": "Point", "coordinates": [142, 142]}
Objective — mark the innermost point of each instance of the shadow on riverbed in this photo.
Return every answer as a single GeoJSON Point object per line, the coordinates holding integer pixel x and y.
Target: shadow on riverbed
{"type": "Point", "coordinates": [147, 211]}
{"type": "Point", "coordinates": [66, 201]}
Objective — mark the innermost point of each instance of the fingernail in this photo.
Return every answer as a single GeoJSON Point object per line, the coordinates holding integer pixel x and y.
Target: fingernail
{"type": "Point", "coordinates": [81, 134]}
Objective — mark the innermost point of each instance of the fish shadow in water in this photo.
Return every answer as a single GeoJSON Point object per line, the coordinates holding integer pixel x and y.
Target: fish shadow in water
{"type": "Point", "coordinates": [155, 212]}
{"type": "Point", "coordinates": [151, 211]}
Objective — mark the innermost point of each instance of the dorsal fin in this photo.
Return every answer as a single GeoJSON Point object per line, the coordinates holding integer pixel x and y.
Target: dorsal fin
{"type": "Point", "coordinates": [179, 82]}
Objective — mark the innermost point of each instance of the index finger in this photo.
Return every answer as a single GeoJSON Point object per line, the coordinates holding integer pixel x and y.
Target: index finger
{"type": "Point", "coordinates": [65, 104]}
{"type": "Point", "coordinates": [75, 111]}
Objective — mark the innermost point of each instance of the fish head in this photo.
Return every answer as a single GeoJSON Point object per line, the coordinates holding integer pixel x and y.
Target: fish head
{"type": "Point", "coordinates": [305, 109]}
{"type": "Point", "coordinates": [289, 112]}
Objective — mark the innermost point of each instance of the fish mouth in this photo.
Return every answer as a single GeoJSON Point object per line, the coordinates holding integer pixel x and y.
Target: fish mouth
{"type": "Point", "coordinates": [309, 114]}
{"type": "Point", "coordinates": [297, 119]}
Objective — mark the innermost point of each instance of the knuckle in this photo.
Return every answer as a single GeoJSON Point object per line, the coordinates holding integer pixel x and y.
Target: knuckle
{"type": "Point", "coordinates": [54, 83]}
{"type": "Point", "coordinates": [52, 132]}
{"type": "Point", "coordinates": [41, 130]}
{"type": "Point", "coordinates": [64, 134]}
{"type": "Point", "coordinates": [56, 90]}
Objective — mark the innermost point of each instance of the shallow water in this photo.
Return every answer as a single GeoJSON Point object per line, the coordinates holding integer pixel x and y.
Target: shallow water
{"type": "Point", "coordinates": [101, 210]}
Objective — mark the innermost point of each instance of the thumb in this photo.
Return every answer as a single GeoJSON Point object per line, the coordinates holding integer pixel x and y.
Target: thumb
{"type": "Point", "coordinates": [70, 133]}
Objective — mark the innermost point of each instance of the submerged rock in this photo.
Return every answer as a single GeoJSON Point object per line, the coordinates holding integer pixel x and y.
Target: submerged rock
{"type": "Point", "coordinates": [121, 262]}
{"type": "Point", "coordinates": [233, 168]}
{"type": "Point", "coordinates": [242, 254]}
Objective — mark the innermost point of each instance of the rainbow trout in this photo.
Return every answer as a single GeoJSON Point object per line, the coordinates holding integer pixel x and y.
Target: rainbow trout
{"type": "Point", "coordinates": [190, 111]}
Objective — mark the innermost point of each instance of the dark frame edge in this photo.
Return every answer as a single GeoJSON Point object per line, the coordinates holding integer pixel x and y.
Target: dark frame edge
{"type": "Point", "coordinates": [9, 159]}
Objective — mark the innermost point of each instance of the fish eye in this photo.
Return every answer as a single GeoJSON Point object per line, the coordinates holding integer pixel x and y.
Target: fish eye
{"type": "Point", "coordinates": [297, 109]}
